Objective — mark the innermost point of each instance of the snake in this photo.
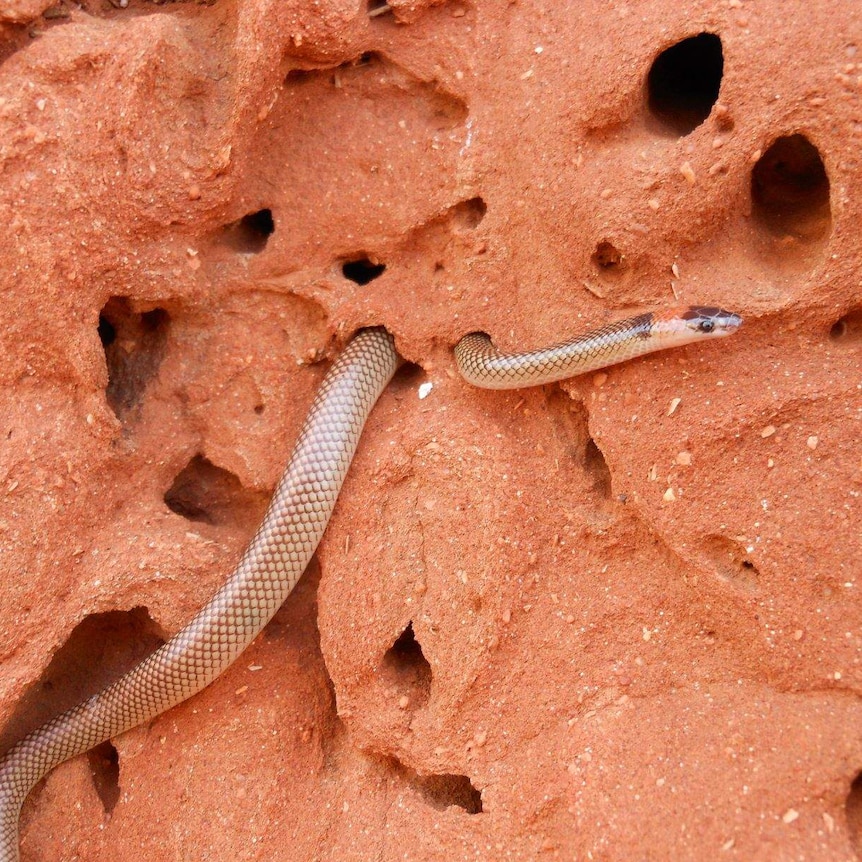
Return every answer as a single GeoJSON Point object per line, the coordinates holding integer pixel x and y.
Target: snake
{"type": "Point", "coordinates": [294, 524]}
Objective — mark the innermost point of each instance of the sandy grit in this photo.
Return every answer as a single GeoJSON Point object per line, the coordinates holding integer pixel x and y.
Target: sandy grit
{"type": "Point", "coordinates": [618, 618]}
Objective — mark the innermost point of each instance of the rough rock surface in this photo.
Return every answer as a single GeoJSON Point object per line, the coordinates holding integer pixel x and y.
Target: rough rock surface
{"type": "Point", "coordinates": [618, 618]}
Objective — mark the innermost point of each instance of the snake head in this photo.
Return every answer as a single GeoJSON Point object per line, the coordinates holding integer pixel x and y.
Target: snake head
{"type": "Point", "coordinates": [677, 326]}
{"type": "Point", "coordinates": [705, 321]}
{"type": "Point", "coordinates": [699, 321]}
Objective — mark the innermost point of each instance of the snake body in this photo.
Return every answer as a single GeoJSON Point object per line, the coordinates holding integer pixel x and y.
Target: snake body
{"type": "Point", "coordinates": [294, 524]}
{"type": "Point", "coordinates": [481, 364]}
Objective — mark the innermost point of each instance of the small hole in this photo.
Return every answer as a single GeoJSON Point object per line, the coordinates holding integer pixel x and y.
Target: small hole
{"type": "Point", "coordinates": [250, 234]}
{"type": "Point", "coordinates": [409, 376]}
{"type": "Point", "coordinates": [607, 257]}
{"type": "Point", "coordinates": [684, 81]}
{"type": "Point", "coordinates": [848, 328]}
{"type": "Point", "coordinates": [446, 790]}
{"type": "Point", "coordinates": [104, 763]}
{"type": "Point", "coordinates": [790, 190]}
{"type": "Point", "coordinates": [134, 345]}
{"type": "Point", "coordinates": [299, 76]}
{"type": "Point", "coordinates": [469, 214]}
{"type": "Point", "coordinates": [209, 494]}
{"type": "Point", "coordinates": [406, 667]}
{"type": "Point", "coordinates": [406, 651]}
{"type": "Point", "coordinates": [260, 222]}
{"type": "Point", "coordinates": [853, 808]}
{"type": "Point", "coordinates": [440, 790]}
{"type": "Point", "coordinates": [259, 408]}
{"type": "Point", "coordinates": [362, 270]}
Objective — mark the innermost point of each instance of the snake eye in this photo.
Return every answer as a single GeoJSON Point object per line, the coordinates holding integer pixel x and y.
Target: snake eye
{"type": "Point", "coordinates": [706, 325]}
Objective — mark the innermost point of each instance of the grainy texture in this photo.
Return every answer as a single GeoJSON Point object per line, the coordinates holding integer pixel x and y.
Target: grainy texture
{"type": "Point", "coordinates": [619, 670]}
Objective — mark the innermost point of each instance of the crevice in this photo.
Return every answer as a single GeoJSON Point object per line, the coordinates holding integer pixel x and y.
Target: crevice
{"type": "Point", "coordinates": [448, 790]}
{"type": "Point", "coordinates": [571, 425]}
{"type": "Point", "coordinates": [300, 76]}
{"type": "Point", "coordinates": [596, 466]}
{"type": "Point", "coordinates": [209, 494]}
{"type": "Point", "coordinates": [134, 345]}
{"type": "Point", "coordinates": [362, 270]}
{"type": "Point", "coordinates": [406, 669]}
{"type": "Point", "coordinates": [249, 234]}
{"type": "Point", "coordinates": [440, 790]}
{"type": "Point", "coordinates": [853, 810]}
{"type": "Point", "coordinates": [99, 650]}
{"type": "Point", "coordinates": [848, 328]}
{"type": "Point", "coordinates": [104, 763]}
{"type": "Point", "coordinates": [790, 192]}
{"type": "Point", "coordinates": [683, 83]}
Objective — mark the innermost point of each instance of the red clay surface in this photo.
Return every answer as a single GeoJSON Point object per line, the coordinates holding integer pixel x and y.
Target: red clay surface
{"type": "Point", "coordinates": [614, 619]}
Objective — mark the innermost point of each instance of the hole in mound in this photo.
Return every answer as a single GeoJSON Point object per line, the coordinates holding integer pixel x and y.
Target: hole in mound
{"type": "Point", "coordinates": [447, 790]}
{"type": "Point", "coordinates": [300, 76]}
{"type": "Point", "coordinates": [440, 790]}
{"type": "Point", "coordinates": [209, 494]}
{"type": "Point", "coordinates": [251, 233]}
{"type": "Point", "coordinates": [99, 650]}
{"type": "Point", "coordinates": [848, 328]}
{"type": "Point", "coordinates": [607, 257]}
{"type": "Point", "coordinates": [853, 809]}
{"type": "Point", "coordinates": [406, 667]}
{"type": "Point", "coordinates": [104, 763]}
{"type": "Point", "coordinates": [597, 467]}
{"type": "Point", "coordinates": [683, 83]}
{"type": "Point", "coordinates": [408, 376]}
{"type": "Point", "coordinates": [468, 214]}
{"type": "Point", "coordinates": [134, 345]}
{"type": "Point", "coordinates": [362, 270]}
{"type": "Point", "coordinates": [790, 191]}
{"type": "Point", "coordinates": [730, 562]}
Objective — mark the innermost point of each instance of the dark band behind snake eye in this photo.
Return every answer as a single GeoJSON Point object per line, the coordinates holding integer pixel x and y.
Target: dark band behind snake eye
{"type": "Point", "coordinates": [709, 318]}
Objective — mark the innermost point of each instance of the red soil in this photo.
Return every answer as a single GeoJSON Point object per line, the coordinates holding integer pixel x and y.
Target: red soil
{"type": "Point", "coordinates": [613, 619]}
